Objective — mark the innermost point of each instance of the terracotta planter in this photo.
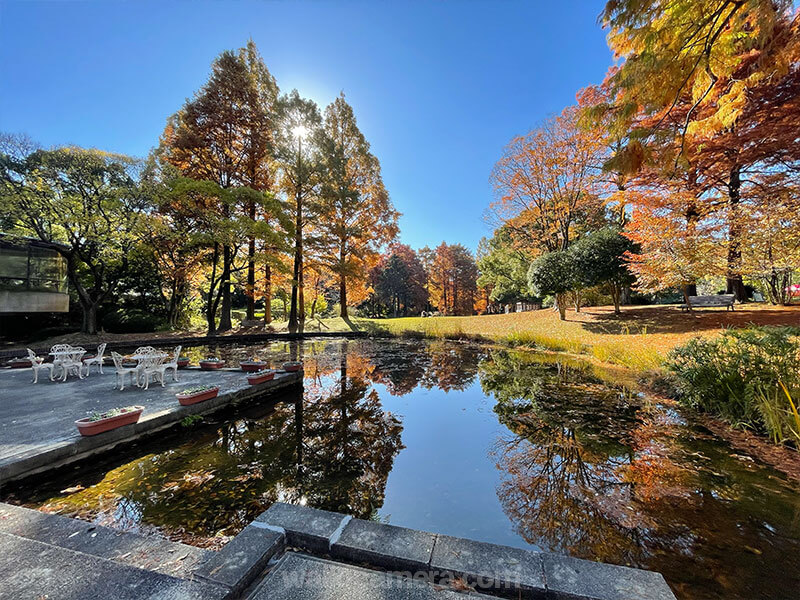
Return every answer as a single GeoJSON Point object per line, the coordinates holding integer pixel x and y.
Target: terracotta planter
{"type": "Point", "coordinates": [19, 363]}
{"type": "Point", "coordinates": [292, 367]}
{"type": "Point", "coordinates": [87, 427]}
{"type": "Point", "coordinates": [211, 365]}
{"type": "Point", "coordinates": [183, 363]}
{"type": "Point", "coordinates": [251, 366]}
{"type": "Point", "coordinates": [189, 399]}
{"type": "Point", "coordinates": [255, 379]}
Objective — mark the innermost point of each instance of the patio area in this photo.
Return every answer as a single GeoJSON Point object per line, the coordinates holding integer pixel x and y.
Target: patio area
{"type": "Point", "coordinates": [37, 420]}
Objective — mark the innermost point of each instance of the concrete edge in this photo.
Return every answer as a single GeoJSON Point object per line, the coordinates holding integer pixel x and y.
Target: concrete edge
{"type": "Point", "coordinates": [78, 448]}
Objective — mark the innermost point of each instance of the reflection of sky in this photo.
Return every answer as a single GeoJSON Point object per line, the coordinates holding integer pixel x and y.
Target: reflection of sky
{"type": "Point", "coordinates": [445, 480]}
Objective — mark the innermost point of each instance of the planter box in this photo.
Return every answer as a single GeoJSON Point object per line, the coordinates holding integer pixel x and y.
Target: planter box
{"type": "Point", "coordinates": [87, 427]}
{"type": "Point", "coordinates": [256, 379]}
{"type": "Point", "coordinates": [292, 367]}
{"type": "Point", "coordinates": [19, 363]}
{"type": "Point", "coordinates": [183, 363]}
{"type": "Point", "coordinates": [211, 365]}
{"type": "Point", "coordinates": [251, 366]}
{"type": "Point", "coordinates": [189, 399]}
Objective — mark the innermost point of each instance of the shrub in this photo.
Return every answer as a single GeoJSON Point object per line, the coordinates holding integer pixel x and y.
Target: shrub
{"type": "Point", "coordinates": [734, 374]}
{"type": "Point", "coordinates": [132, 320]}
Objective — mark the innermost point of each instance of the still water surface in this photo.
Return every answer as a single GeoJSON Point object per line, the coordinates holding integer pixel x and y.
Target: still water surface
{"type": "Point", "coordinates": [503, 446]}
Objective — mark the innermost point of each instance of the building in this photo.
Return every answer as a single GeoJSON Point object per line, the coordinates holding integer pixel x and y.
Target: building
{"type": "Point", "coordinates": [33, 276]}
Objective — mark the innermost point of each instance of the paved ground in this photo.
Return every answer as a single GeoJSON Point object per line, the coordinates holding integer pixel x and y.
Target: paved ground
{"type": "Point", "coordinates": [38, 415]}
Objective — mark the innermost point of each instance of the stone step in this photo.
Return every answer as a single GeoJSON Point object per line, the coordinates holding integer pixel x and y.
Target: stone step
{"type": "Point", "coordinates": [40, 570]}
{"type": "Point", "coordinates": [127, 548]}
{"type": "Point", "coordinates": [302, 577]}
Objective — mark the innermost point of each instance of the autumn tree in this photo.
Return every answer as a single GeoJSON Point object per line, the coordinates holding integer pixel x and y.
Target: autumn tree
{"type": "Point", "coordinates": [452, 277]}
{"type": "Point", "coordinates": [715, 80]}
{"type": "Point", "coordinates": [354, 216]}
{"type": "Point", "coordinates": [299, 160]}
{"type": "Point", "coordinates": [224, 135]}
{"type": "Point", "coordinates": [86, 200]}
{"type": "Point", "coordinates": [399, 281]}
{"type": "Point", "coordinates": [546, 184]}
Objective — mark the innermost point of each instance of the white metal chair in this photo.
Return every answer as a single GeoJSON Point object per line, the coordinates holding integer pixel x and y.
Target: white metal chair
{"type": "Point", "coordinates": [150, 367]}
{"type": "Point", "coordinates": [37, 364]}
{"type": "Point", "coordinates": [122, 371]}
{"type": "Point", "coordinates": [71, 361]}
{"type": "Point", "coordinates": [173, 364]}
{"type": "Point", "coordinates": [97, 359]}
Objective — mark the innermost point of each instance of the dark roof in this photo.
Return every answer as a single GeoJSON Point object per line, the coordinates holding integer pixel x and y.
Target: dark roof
{"type": "Point", "coordinates": [8, 240]}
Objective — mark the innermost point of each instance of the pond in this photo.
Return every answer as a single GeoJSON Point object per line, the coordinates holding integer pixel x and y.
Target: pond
{"type": "Point", "coordinates": [510, 447]}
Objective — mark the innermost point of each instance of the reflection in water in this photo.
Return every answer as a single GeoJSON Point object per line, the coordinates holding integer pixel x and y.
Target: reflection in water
{"type": "Point", "coordinates": [507, 446]}
{"type": "Point", "coordinates": [594, 473]}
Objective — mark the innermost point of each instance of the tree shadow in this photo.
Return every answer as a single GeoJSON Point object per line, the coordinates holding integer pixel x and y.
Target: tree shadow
{"type": "Point", "coordinates": [671, 319]}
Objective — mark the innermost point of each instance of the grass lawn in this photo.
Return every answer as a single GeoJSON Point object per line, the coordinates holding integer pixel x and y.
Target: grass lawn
{"type": "Point", "coordinates": [639, 338]}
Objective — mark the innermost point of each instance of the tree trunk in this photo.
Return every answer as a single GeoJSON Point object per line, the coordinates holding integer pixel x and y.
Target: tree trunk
{"type": "Point", "coordinates": [210, 312]}
{"type": "Point", "coordinates": [89, 317]}
{"type": "Point", "coordinates": [250, 290]}
{"type": "Point", "coordinates": [298, 264]}
{"type": "Point", "coordinates": [686, 295]}
{"type": "Point", "coordinates": [267, 294]}
{"type": "Point", "coordinates": [342, 296]}
{"type": "Point", "coordinates": [561, 305]}
{"type": "Point", "coordinates": [616, 292]}
{"type": "Point", "coordinates": [225, 314]}
{"type": "Point", "coordinates": [735, 285]}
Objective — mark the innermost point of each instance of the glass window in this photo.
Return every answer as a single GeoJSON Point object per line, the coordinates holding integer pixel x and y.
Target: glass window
{"type": "Point", "coordinates": [14, 263]}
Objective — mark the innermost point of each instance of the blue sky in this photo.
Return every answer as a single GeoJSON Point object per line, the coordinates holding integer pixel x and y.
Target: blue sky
{"type": "Point", "coordinates": [438, 87]}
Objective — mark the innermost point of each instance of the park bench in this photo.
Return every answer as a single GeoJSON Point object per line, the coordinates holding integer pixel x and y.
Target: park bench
{"type": "Point", "coordinates": [725, 300]}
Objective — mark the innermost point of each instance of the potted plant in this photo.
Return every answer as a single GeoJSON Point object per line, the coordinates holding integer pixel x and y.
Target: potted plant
{"type": "Point", "coordinates": [211, 364]}
{"type": "Point", "coordinates": [19, 363]}
{"type": "Point", "coordinates": [292, 367]}
{"type": "Point", "coordinates": [261, 376]}
{"type": "Point", "coordinates": [106, 421]}
{"type": "Point", "coordinates": [183, 362]}
{"type": "Point", "coordinates": [197, 394]}
{"type": "Point", "coordinates": [251, 365]}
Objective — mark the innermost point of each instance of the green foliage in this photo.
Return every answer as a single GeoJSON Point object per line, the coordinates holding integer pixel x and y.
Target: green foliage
{"type": "Point", "coordinates": [191, 420]}
{"type": "Point", "coordinates": [599, 258]}
{"type": "Point", "coordinates": [552, 273]}
{"type": "Point", "coordinates": [739, 374]}
{"type": "Point", "coordinates": [132, 320]}
{"type": "Point", "coordinates": [504, 269]}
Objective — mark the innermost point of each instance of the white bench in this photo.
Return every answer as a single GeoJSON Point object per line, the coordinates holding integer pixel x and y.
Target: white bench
{"type": "Point", "coordinates": [725, 300]}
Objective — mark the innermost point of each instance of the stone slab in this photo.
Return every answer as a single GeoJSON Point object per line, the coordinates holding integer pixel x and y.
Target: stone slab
{"type": "Point", "coordinates": [31, 570]}
{"type": "Point", "coordinates": [300, 577]}
{"type": "Point", "coordinates": [500, 569]}
{"type": "Point", "coordinates": [146, 552]}
{"type": "Point", "coordinates": [575, 579]}
{"type": "Point", "coordinates": [385, 546]}
{"type": "Point", "coordinates": [37, 421]}
{"type": "Point", "coordinates": [238, 563]}
{"type": "Point", "coordinates": [305, 527]}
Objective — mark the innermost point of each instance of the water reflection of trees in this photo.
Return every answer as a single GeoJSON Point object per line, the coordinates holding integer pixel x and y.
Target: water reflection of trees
{"type": "Point", "coordinates": [332, 448]}
{"type": "Point", "coordinates": [560, 462]}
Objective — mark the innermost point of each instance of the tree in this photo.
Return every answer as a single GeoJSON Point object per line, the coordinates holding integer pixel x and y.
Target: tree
{"type": "Point", "coordinates": [600, 260]}
{"type": "Point", "coordinates": [673, 252]}
{"type": "Point", "coordinates": [555, 274]}
{"type": "Point", "coordinates": [224, 135]}
{"type": "Point", "coordinates": [452, 278]}
{"type": "Point", "coordinates": [299, 161]}
{"type": "Point", "coordinates": [503, 269]}
{"type": "Point", "coordinates": [354, 215]}
{"type": "Point", "coordinates": [88, 200]}
{"type": "Point", "coordinates": [399, 280]}
{"type": "Point", "coordinates": [546, 184]}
